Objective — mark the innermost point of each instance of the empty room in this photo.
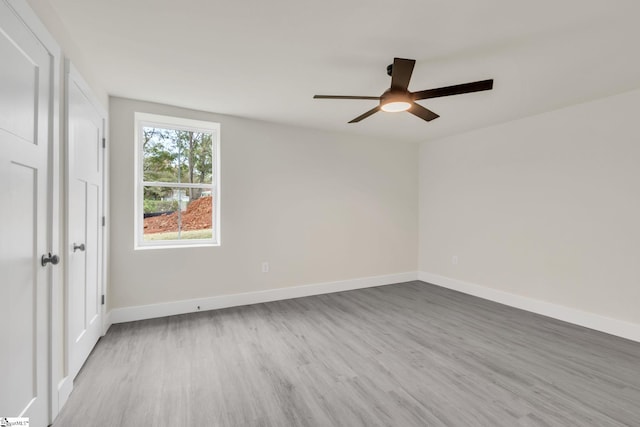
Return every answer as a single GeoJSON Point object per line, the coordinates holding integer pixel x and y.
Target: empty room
{"type": "Point", "coordinates": [335, 213]}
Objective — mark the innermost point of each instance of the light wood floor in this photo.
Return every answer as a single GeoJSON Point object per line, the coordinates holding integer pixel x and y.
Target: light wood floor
{"type": "Point", "coordinates": [403, 355]}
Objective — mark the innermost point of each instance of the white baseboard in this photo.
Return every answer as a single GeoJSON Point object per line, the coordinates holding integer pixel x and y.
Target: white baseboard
{"type": "Point", "coordinates": [598, 322]}
{"type": "Point", "coordinates": [128, 314]}
{"type": "Point", "coordinates": [106, 322]}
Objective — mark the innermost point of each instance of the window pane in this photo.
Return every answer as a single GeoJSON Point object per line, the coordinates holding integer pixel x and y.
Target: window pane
{"type": "Point", "coordinates": [177, 156]}
{"type": "Point", "coordinates": [177, 213]}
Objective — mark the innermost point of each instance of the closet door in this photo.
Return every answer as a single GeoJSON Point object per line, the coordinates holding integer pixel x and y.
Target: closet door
{"type": "Point", "coordinates": [85, 183]}
{"type": "Point", "coordinates": [25, 137]}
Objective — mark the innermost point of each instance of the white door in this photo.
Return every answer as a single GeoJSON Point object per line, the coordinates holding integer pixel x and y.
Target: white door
{"type": "Point", "coordinates": [85, 201]}
{"type": "Point", "coordinates": [25, 137]}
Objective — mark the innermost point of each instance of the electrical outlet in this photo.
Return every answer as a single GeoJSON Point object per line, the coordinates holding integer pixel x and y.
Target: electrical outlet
{"type": "Point", "coordinates": [454, 260]}
{"type": "Point", "coordinates": [265, 267]}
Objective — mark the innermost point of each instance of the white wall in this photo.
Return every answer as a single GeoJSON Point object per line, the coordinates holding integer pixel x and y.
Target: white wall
{"type": "Point", "coordinates": [546, 207]}
{"type": "Point", "coordinates": [317, 206]}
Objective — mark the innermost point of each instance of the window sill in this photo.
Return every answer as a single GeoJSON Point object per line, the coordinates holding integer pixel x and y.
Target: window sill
{"type": "Point", "coordinates": [193, 245]}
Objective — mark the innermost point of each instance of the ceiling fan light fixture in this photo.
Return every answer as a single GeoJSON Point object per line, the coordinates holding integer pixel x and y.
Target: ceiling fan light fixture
{"type": "Point", "coordinates": [395, 106]}
{"type": "Point", "coordinates": [395, 101]}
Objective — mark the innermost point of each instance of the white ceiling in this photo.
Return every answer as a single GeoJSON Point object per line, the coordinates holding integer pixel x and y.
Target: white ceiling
{"type": "Point", "coordinates": [266, 59]}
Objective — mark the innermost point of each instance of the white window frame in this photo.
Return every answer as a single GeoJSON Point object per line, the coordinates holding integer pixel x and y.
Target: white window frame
{"type": "Point", "coordinates": [177, 123]}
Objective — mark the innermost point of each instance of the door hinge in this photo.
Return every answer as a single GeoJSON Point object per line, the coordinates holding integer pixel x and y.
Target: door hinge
{"type": "Point", "coordinates": [104, 142]}
{"type": "Point", "coordinates": [102, 300]}
{"type": "Point", "coordinates": [104, 221]}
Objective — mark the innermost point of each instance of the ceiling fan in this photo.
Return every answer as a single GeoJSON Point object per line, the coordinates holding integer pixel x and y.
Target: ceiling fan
{"type": "Point", "coordinates": [399, 98]}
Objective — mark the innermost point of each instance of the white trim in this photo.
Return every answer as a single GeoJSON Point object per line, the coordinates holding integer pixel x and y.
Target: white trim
{"type": "Point", "coordinates": [176, 123]}
{"type": "Point", "coordinates": [128, 314]}
{"type": "Point", "coordinates": [173, 244]}
{"type": "Point", "coordinates": [56, 343]}
{"type": "Point", "coordinates": [73, 74]}
{"type": "Point", "coordinates": [177, 185]}
{"type": "Point", "coordinates": [32, 21]}
{"type": "Point", "coordinates": [106, 228]}
{"type": "Point", "coordinates": [106, 322]}
{"type": "Point", "coordinates": [65, 387]}
{"type": "Point", "coordinates": [598, 322]}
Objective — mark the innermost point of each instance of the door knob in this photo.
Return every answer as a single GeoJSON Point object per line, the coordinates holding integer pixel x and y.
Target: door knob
{"type": "Point", "coordinates": [78, 247]}
{"type": "Point", "coordinates": [53, 259]}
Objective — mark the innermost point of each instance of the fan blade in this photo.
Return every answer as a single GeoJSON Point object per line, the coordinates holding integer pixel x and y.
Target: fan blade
{"type": "Point", "coordinates": [365, 115]}
{"type": "Point", "coordinates": [377, 98]}
{"type": "Point", "coordinates": [423, 113]}
{"type": "Point", "coordinates": [401, 73]}
{"type": "Point", "coordinates": [454, 90]}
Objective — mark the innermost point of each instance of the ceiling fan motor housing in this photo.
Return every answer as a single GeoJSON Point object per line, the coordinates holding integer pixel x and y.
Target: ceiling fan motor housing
{"type": "Point", "coordinates": [391, 95]}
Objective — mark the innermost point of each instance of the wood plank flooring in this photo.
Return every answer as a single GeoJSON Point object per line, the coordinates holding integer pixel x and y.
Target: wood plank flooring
{"type": "Point", "coordinates": [410, 354]}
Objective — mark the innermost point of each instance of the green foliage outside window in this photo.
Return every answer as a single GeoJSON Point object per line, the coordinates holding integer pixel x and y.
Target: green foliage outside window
{"type": "Point", "coordinates": [151, 205]}
{"type": "Point", "coordinates": [175, 156]}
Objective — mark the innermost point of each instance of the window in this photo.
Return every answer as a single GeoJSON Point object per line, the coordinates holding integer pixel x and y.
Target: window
{"type": "Point", "coordinates": [177, 182]}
